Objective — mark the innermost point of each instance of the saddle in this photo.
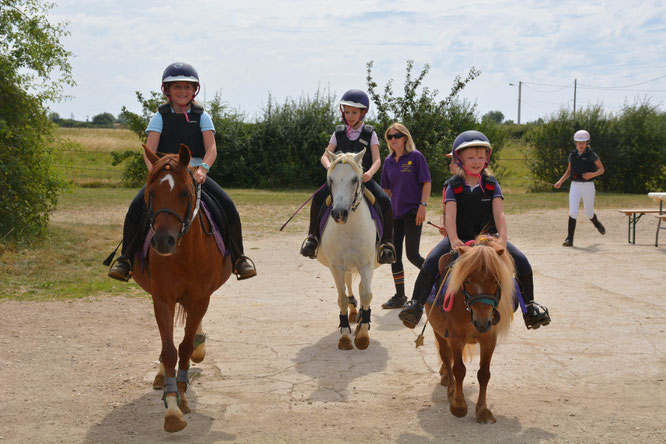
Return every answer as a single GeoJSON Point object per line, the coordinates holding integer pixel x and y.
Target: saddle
{"type": "Point", "coordinates": [373, 204]}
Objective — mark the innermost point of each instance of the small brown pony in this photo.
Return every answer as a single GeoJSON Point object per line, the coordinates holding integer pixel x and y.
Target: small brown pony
{"type": "Point", "coordinates": [481, 285]}
{"type": "Point", "coordinates": [184, 267]}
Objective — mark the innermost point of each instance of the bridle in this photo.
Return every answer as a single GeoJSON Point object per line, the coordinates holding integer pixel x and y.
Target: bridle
{"type": "Point", "coordinates": [190, 213]}
{"type": "Point", "coordinates": [357, 193]}
{"type": "Point", "coordinates": [485, 298]}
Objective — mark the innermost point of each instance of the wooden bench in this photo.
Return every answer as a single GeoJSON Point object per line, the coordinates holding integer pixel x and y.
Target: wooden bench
{"type": "Point", "coordinates": [633, 216]}
{"type": "Point", "coordinates": [661, 197]}
{"type": "Point", "coordinates": [662, 218]}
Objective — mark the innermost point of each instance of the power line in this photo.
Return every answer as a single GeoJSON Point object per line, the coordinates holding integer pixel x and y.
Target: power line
{"type": "Point", "coordinates": [624, 86]}
{"type": "Point", "coordinates": [542, 91]}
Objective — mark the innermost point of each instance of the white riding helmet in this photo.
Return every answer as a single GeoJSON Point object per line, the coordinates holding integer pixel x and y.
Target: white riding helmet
{"type": "Point", "coordinates": [581, 136]}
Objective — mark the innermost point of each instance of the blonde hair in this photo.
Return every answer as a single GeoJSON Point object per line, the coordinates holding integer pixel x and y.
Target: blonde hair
{"type": "Point", "coordinates": [409, 144]}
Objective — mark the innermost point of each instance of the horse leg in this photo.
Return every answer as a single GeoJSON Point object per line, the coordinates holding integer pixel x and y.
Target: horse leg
{"type": "Point", "coordinates": [353, 314]}
{"type": "Point", "coordinates": [446, 377]}
{"type": "Point", "coordinates": [361, 337]}
{"type": "Point", "coordinates": [457, 401]}
{"type": "Point", "coordinates": [344, 343]}
{"type": "Point", "coordinates": [483, 413]}
{"type": "Point", "coordinates": [158, 382]}
{"type": "Point", "coordinates": [199, 352]}
{"type": "Point", "coordinates": [192, 324]}
{"type": "Point", "coordinates": [173, 418]}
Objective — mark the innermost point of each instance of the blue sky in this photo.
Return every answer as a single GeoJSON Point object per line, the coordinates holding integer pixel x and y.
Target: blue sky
{"type": "Point", "coordinates": [246, 50]}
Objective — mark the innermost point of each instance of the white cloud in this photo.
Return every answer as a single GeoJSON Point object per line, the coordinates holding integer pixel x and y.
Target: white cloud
{"type": "Point", "coordinates": [248, 49]}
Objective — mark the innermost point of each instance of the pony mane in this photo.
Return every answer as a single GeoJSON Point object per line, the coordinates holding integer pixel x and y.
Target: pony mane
{"type": "Point", "coordinates": [347, 158]}
{"type": "Point", "coordinates": [483, 258]}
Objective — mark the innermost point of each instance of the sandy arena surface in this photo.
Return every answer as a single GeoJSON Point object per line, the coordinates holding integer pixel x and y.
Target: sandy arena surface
{"type": "Point", "coordinates": [81, 371]}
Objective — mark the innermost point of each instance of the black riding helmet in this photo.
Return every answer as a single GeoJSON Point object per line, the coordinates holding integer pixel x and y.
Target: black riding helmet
{"type": "Point", "coordinates": [180, 72]}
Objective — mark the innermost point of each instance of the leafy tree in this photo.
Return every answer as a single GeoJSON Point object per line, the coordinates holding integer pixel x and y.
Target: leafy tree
{"type": "Point", "coordinates": [493, 116]}
{"type": "Point", "coordinates": [433, 123]}
{"type": "Point", "coordinates": [104, 120]}
{"type": "Point", "coordinates": [34, 68]}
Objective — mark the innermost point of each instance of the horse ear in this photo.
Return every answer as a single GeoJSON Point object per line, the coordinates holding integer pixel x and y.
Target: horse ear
{"type": "Point", "coordinates": [331, 156]}
{"type": "Point", "coordinates": [464, 249]}
{"type": "Point", "coordinates": [184, 155]}
{"type": "Point", "coordinates": [499, 250]}
{"type": "Point", "coordinates": [359, 157]}
{"type": "Point", "coordinates": [152, 157]}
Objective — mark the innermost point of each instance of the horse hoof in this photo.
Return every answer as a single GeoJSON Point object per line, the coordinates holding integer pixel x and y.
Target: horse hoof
{"type": "Point", "coordinates": [199, 353]}
{"type": "Point", "coordinates": [444, 380]}
{"type": "Point", "coordinates": [485, 416]}
{"type": "Point", "coordinates": [158, 382]}
{"type": "Point", "coordinates": [459, 412]}
{"type": "Point", "coordinates": [184, 406]}
{"type": "Point", "coordinates": [345, 344]}
{"type": "Point", "coordinates": [174, 422]}
{"type": "Point", "coordinates": [361, 342]}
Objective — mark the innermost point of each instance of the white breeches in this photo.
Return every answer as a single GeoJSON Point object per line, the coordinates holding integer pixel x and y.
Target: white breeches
{"type": "Point", "coordinates": [584, 190]}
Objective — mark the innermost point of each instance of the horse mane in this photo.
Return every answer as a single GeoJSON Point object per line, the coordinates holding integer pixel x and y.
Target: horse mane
{"type": "Point", "coordinates": [483, 257]}
{"type": "Point", "coordinates": [347, 158]}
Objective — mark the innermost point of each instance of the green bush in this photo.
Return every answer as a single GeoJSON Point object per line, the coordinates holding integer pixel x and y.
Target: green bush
{"type": "Point", "coordinates": [31, 57]}
{"type": "Point", "coordinates": [631, 145]}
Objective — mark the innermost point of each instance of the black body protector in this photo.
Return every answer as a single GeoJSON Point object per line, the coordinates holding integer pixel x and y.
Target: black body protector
{"type": "Point", "coordinates": [176, 129]}
{"type": "Point", "coordinates": [582, 163]}
{"type": "Point", "coordinates": [474, 213]}
{"type": "Point", "coordinates": [355, 146]}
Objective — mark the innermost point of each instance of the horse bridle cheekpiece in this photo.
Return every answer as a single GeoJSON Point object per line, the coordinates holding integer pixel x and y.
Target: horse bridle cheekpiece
{"type": "Point", "coordinates": [190, 213]}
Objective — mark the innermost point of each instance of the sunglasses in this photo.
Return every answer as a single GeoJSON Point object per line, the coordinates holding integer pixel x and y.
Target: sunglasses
{"type": "Point", "coordinates": [395, 136]}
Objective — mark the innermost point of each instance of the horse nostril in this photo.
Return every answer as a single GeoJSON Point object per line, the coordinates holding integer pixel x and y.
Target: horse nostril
{"type": "Point", "coordinates": [152, 242]}
{"type": "Point", "coordinates": [171, 242]}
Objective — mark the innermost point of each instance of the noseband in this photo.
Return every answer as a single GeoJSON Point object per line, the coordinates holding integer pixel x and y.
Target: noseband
{"type": "Point", "coordinates": [489, 299]}
{"type": "Point", "coordinates": [190, 213]}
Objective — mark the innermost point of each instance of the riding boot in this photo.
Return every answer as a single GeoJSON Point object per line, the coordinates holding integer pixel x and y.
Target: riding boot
{"type": "Point", "coordinates": [121, 269]}
{"type": "Point", "coordinates": [310, 244]}
{"type": "Point", "coordinates": [568, 242]}
{"type": "Point", "coordinates": [413, 310]}
{"type": "Point", "coordinates": [537, 314]}
{"type": "Point", "coordinates": [598, 225]}
{"type": "Point", "coordinates": [386, 253]}
{"type": "Point", "coordinates": [243, 267]}
{"type": "Point", "coordinates": [399, 298]}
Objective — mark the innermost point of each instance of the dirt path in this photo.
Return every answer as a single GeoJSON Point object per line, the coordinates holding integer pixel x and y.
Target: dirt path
{"type": "Point", "coordinates": [81, 371]}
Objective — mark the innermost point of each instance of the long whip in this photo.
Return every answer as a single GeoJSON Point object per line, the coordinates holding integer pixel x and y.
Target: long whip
{"type": "Point", "coordinates": [299, 208]}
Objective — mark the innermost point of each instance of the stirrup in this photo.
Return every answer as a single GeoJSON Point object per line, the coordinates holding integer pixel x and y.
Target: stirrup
{"type": "Point", "coordinates": [116, 274]}
{"type": "Point", "coordinates": [307, 253]}
{"type": "Point", "coordinates": [247, 276]}
{"type": "Point", "coordinates": [538, 318]}
{"type": "Point", "coordinates": [382, 249]}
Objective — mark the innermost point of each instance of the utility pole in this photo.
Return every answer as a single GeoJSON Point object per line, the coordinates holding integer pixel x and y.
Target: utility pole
{"type": "Point", "coordinates": [574, 110]}
{"type": "Point", "coordinates": [520, 88]}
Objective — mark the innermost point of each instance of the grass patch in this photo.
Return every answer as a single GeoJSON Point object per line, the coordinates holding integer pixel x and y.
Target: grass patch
{"type": "Point", "coordinates": [88, 225]}
{"type": "Point", "coordinates": [83, 155]}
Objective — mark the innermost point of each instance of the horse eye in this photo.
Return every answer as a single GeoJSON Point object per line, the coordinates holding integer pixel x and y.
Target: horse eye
{"type": "Point", "coordinates": [355, 180]}
{"type": "Point", "coordinates": [184, 193]}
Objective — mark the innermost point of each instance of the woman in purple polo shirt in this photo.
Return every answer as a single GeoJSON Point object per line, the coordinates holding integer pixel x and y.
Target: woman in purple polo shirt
{"type": "Point", "coordinates": [406, 180]}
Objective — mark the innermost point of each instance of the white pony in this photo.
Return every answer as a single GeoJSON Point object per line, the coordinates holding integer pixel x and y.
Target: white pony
{"type": "Point", "coordinates": [348, 244]}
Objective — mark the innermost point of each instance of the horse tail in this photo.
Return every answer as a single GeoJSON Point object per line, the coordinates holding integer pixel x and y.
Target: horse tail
{"type": "Point", "coordinates": [180, 317]}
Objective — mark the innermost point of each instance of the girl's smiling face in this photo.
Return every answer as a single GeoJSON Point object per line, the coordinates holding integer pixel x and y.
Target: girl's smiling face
{"type": "Point", "coordinates": [580, 146]}
{"type": "Point", "coordinates": [474, 159]}
{"type": "Point", "coordinates": [181, 94]}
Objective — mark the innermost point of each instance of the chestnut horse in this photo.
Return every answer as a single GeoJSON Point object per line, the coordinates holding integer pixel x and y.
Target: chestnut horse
{"type": "Point", "coordinates": [184, 268]}
{"type": "Point", "coordinates": [479, 298]}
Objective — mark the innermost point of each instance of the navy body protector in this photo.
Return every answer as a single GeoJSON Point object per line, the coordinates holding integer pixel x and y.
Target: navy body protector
{"type": "Point", "coordinates": [344, 145]}
{"type": "Point", "coordinates": [474, 213]}
{"type": "Point", "coordinates": [176, 129]}
{"type": "Point", "coordinates": [582, 163]}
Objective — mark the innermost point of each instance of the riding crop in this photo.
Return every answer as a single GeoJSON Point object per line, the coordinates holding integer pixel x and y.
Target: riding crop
{"type": "Point", "coordinates": [299, 208]}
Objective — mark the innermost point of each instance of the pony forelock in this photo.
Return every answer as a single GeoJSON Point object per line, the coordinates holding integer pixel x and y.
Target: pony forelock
{"type": "Point", "coordinates": [347, 158]}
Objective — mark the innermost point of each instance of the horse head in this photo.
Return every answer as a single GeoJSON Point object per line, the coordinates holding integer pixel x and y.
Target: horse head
{"type": "Point", "coordinates": [483, 274]}
{"type": "Point", "coordinates": [170, 188]}
{"type": "Point", "coordinates": [345, 180]}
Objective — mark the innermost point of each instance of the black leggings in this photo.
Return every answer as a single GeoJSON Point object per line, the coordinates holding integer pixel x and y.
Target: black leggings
{"type": "Point", "coordinates": [405, 228]}
{"type": "Point", "coordinates": [214, 197]}
{"type": "Point", "coordinates": [375, 189]}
